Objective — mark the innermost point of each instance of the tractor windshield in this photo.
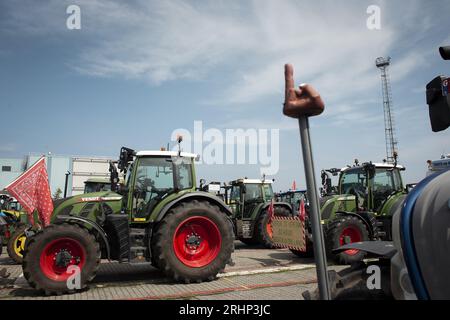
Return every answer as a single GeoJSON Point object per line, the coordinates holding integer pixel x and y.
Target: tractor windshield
{"type": "Point", "coordinates": [253, 192]}
{"type": "Point", "coordinates": [354, 179]}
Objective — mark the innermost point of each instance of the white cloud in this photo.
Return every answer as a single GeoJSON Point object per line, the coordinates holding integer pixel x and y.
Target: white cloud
{"type": "Point", "coordinates": [161, 41]}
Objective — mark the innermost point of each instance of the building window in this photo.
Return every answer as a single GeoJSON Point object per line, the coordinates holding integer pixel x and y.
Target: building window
{"type": "Point", "coordinates": [6, 168]}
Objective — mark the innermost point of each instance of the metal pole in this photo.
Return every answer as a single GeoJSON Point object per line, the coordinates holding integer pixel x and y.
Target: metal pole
{"type": "Point", "coordinates": [66, 183]}
{"type": "Point", "coordinates": [317, 232]}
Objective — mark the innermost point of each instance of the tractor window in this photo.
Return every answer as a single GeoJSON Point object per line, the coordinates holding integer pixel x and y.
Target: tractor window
{"type": "Point", "coordinates": [253, 192]}
{"type": "Point", "coordinates": [268, 192]}
{"type": "Point", "coordinates": [184, 173]}
{"type": "Point", "coordinates": [154, 179]}
{"type": "Point", "coordinates": [353, 179]}
{"type": "Point", "coordinates": [90, 187]}
{"type": "Point", "coordinates": [235, 194]}
{"type": "Point", "coordinates": [384, 184]}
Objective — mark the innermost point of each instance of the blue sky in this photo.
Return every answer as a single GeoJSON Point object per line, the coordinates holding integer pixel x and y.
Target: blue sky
{"type": "Point", "coordinates": [137, 70]}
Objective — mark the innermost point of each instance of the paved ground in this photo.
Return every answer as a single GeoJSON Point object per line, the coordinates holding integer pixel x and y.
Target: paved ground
{"type": "Point", "coordinates": [257, 274]}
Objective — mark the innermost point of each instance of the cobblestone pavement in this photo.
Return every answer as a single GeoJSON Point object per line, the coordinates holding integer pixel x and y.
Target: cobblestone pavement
{"type": "Point", "coordinates": [257, 274]}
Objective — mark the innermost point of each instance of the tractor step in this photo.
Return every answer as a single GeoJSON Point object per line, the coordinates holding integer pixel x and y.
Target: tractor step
{"type": "Point", "coordinates": [138, 245]}
{"type": "Point", "coordinates": [138, 255]}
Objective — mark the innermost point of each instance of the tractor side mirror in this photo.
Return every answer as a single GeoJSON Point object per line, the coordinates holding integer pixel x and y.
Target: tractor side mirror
{"type": "Point", "coordinates": [438, 100]}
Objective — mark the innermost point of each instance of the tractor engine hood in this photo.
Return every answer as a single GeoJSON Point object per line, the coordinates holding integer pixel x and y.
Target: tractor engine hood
{"type": "Point", "coordinates": [88, 205]}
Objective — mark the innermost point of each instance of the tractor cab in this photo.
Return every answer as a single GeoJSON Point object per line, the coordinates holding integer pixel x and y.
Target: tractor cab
{"type": "Point", "coordinates": [372, 184]}
{"type": "Point", "coordinates": [247, 194]}
{"type": "Point", "coordinates": [97, 185]}
{"type": "Point", "coordinates": [250, 201]}
{"type": "Point", "coordinates": [294, 198]}
{"type": "Point", "coordinates": [153, 178]}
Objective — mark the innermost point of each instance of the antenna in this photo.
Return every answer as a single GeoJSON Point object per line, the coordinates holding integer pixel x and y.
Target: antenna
{"type": "Point", "coordinates": [389, 124]}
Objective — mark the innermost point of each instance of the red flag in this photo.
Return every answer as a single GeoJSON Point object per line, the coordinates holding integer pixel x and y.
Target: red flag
{"type": "Point", "coordinates": [294, 186]}
{"type": "Point", "coordinates": [32, 190]}
{"type": "Point", "coordinates": [302, 210]}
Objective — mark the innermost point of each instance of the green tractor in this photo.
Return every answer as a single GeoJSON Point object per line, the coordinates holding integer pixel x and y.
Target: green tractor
{"type": "Point", "coordinates": [250, 200]}
{"type": "Point", "coordinates": [158, 216]}
{"type": "Point", "coordinates": [368, 194]}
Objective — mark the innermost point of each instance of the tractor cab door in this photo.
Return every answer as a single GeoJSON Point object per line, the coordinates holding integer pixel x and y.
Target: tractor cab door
{"type": "Point", "coordinates": [354, 181]}
{"type": "Point", "coordinates": [153, 181]}
{"type": "Point", "coordinates": [385, 183]}
{"type": "Point", "coordinates": [253, 196]}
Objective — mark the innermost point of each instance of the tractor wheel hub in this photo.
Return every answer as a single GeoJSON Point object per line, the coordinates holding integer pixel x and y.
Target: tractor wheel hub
{"type": "Point", "coordinates": [63, 258]}
{"type": "Point", "coordinates": [193, 240]}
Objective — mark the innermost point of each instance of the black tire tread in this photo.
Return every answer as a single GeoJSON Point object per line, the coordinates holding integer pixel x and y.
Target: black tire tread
{"type": "Point", "coordinates": [162, 247]}
{"type": "Point", "coordinates": [332, 231]}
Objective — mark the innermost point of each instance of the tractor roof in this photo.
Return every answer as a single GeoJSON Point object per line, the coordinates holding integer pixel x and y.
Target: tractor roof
{"type": "Point", "coordinates": [294, 191]}
{"type": "Point", "coordinates": [98, 180]}
{"type": "Point", "coordinates": [377, 165]}
{"type": "Point", "coordinates": [165, 154]}
{"type": "Point", "coordinates": [258, 181]}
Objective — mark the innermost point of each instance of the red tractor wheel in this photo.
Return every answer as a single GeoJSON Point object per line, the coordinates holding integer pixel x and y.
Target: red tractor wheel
{"type": "Point", "coordinates": [344, 230]}
{"type": "Point", "coordinates": [193, 242]}
{"type": "Point", "coordinates": [52, 256]}
{"type": "Point", "coordinates": [197, 241]}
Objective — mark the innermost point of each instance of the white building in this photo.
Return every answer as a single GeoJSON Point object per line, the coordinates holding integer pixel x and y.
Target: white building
{"type": "Point", "coordinates": [79, 169]}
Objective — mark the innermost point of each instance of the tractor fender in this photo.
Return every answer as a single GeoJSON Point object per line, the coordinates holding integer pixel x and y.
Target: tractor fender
{"type": "Point", "coordinates": [365, 217]}
{"type": "Point", "coordinates": [93, 224]}
{"type": "Point", "coordinates": [199, 195]}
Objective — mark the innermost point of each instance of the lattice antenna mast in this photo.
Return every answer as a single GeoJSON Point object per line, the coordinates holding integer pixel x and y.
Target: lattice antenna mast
{"type": "Point", "coordinates": [389, 123]}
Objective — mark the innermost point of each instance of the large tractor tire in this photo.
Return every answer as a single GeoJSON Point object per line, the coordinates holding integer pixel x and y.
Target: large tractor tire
{"type": "Point", "coordinates": [51, 254]}
{"type": "Point", "coordinates": [193, 242]}
{"type": "Point", "coordinates": [343, 230]}
{"type": "Point", "coordinates": [1, 245]}
{"type": "Point", "coordinates": [264, 226]}
{"type": "Point", "coordinates": [16, 244]}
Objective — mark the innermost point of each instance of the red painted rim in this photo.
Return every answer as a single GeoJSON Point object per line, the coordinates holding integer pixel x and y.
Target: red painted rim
{"type": "Point", "coordinates": [354, 234]}
{"type": "Point", "coordinates": [197, 241]}
{"type": "Point", "coordinates": [56, 247]}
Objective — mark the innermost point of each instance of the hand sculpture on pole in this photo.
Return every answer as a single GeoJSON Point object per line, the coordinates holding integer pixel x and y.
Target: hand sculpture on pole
{"type": "Point", "coordinates": [304, 101]}
{"type": "Point", "coordinates": [301, 104]}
